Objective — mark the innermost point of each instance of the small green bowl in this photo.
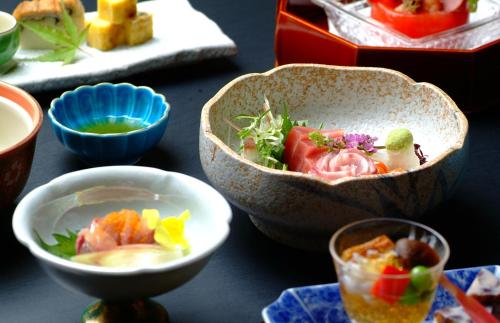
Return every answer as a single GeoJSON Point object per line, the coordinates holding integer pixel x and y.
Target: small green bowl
{"type": "Point", "coordinates": [9, 37]}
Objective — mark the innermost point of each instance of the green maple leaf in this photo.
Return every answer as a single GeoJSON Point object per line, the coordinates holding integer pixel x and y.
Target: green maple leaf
{"type": "Point", "coordinates": [67, 40]}
{"type": "Point", "coordinates": [65, 246]}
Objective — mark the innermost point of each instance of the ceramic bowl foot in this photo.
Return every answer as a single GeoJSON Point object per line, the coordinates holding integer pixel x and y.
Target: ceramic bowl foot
{"type": "Point", "coordinates": [141, 311]}
{"type": "Point", "coordinates": [287, 235]}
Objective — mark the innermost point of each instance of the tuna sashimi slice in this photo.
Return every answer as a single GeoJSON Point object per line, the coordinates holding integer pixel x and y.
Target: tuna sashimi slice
{"type": "Point", "coordinates": [301, 153]}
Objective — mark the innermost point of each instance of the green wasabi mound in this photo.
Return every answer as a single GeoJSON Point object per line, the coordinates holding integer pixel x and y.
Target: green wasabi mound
{"type": "Point", "coordinates": [399, 139]}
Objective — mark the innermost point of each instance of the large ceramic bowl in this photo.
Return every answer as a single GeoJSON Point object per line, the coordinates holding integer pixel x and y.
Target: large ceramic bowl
{"type": "Point", "coordinates": [300, 209]}
{"type": "Point", "coordinates": [20, 120]}
{"type": "Point", "coordinates": [72, 200]}
{"type": "Point", "coordinates": [132, 120]}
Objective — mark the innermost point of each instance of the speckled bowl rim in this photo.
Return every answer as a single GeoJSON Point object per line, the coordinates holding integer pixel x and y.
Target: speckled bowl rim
{"type": "Point", "coordinates": [207, 131]}
{"type": "Point", "coordinates": [22, 234]}
{"type": "Point", "coordinates": [54, 120]}
{"type": "Point", "coordinates": [11, 29]}
{"type": "Point", "coordinates": [37, 119]}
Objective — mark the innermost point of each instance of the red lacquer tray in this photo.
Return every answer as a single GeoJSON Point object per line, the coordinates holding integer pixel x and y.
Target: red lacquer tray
{"type": "Point", "coordinates": [470, 77]}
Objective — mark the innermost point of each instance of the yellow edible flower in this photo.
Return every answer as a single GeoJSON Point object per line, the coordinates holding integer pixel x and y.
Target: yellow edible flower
{"type": "Point", "coordinates": [169, 232]}
{"type": "Point", "coordinates": [152, 217]}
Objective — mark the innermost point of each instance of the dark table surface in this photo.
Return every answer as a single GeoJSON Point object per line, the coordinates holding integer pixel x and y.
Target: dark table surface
{"type": "Point", "coordinates": [249, 271]}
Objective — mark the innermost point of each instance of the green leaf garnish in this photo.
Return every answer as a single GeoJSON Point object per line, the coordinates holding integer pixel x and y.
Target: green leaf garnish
{"type": "Point", "coordinates": [60, 54]}
{"type": "Point", "coordinates": [472, 5]}
{"type": "Point", "coordinates": [65, 246]}
{"type": "Point", "coordinates": [67, 40]}
{"type": "Point", "coordinates": [269, 134]}
{"type": "Point", "coordinates": [52, 35]}
{"type": "Point", "coordinates": [69, 25]}
{"type": "Point", "coordinates": [319, 139]}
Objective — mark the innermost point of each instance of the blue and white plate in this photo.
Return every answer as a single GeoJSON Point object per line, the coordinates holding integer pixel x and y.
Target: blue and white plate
{"type": "Point", "coordinates": [322, 303]}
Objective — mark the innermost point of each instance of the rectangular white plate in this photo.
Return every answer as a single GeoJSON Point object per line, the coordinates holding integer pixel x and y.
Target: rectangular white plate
{"type": "Point", "coordinates": [180, 35]}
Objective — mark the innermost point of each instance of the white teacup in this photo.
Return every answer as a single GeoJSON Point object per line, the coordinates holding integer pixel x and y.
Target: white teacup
{"type": "Point", "coordinates": [15, 123]}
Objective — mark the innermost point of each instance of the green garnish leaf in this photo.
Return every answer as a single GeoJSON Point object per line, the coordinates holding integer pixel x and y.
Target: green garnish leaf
{"type": "Point", "coordinates": [67, 40]}
{"type": "Point", "coordinates": [412, 5]}
{"type": "Point", "coordinates": [69, 25]}
{"type": "Point", "coordinates": [52, 35]}
{"type": "Point", "coordinates": [319, 139]}
{"type": "Point", "coordinates": [60, 54]}
{"type": "Point", "coordinates": [472, 5]}
{"type": "Point", "coordinates": [70, 56]}
{"type": "Point", "coordinates": [65, 246]}
{"type": "Point", "coordinates": [268, 133]}
{"type": "Point", "coordinates": [83, 35]}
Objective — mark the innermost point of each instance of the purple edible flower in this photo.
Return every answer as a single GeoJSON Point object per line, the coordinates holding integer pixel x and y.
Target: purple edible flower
{"type": "Point", "coordinates": [361, 142]}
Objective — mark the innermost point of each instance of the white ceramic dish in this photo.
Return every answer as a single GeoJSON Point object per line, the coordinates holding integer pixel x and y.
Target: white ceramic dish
{"type": "Point", "coordinates": [72, 200]}
{"type": "Point", "coordinates": [180, 35]}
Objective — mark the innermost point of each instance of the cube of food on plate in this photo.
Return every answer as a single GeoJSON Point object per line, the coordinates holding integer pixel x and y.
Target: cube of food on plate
{"type": "Point", "coordinates": [117, 11]}
{"type": "Point", "coordinates": [46, 13]}
{"type": "Point", "coordinates": [139, 29]}
{"type": "Point", "coordinates": [104, 35]}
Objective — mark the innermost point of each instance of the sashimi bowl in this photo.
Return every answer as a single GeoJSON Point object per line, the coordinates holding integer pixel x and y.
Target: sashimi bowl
{"type": "Point", "coordinates": [71, 202]}
{"type": "Point", "coordinates": [302, 209]}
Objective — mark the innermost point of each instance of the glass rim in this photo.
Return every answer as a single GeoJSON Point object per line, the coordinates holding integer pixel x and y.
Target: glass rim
{"type": "Point", "coordinates": [436, 268]}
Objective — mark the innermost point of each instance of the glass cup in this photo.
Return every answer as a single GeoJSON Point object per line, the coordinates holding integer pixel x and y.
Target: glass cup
{"type": "Point", "coordinates": [373, 294]}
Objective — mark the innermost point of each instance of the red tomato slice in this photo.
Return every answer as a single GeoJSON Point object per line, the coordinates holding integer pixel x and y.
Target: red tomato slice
{"type": "Point", "coordinates": [391, 289]}
{"type": "Point", "coordinates": [419, 24]}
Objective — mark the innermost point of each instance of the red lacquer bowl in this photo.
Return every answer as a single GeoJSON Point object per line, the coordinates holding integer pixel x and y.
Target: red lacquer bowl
{"type": "Point", "coordinates": [15, 160]}
{"type": "Point", "coordinates": [302, 37]}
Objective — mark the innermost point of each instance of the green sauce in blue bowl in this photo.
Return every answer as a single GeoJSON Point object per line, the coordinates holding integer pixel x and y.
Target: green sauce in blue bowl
{"type": "Point", "coordinates": [109, 124]}
{"type": "Point", "coordinates": [9, 37]}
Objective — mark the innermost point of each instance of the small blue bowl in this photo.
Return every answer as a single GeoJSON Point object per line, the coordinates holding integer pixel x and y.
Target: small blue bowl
{"type": "Point", "coordinates": [139, 113]}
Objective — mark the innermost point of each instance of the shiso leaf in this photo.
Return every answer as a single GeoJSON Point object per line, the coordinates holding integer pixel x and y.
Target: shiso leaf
{"type": "Point", "coordinates": [65, 246]}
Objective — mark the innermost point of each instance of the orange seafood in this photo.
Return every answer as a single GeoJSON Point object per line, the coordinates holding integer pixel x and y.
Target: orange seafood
{"type": "Point", "coordinates": [115, 229]}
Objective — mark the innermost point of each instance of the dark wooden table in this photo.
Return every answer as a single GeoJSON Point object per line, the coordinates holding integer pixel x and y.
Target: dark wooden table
{"type": "Point", "coordinates": [249, 271]}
